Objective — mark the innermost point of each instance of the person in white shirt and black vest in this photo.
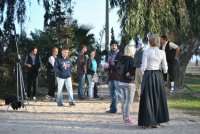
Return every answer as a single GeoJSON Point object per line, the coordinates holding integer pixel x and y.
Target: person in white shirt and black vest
{"type": "Point", "coordinates": [52, 83]}
{"type": "Point", "coordinates": [172, 52]}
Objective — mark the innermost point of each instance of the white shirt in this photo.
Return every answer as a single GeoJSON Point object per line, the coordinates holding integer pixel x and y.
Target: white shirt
{"type": "Point", "coordinates": [154, 59]}
{"type": "Point", "coordinates": [171, 45]}
{"type": "Point", "coordinates": [51, 60]}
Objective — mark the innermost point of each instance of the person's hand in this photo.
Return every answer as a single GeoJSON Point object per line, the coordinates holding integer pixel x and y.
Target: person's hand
{"type": "Point", "coordinates": [28, 65]}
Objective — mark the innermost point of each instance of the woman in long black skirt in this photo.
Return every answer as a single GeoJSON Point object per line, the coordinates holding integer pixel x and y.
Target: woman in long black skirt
{"type": "Point", "coordinates": [153, 108]}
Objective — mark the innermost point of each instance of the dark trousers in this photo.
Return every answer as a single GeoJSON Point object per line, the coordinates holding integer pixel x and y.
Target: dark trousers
{"type": "Point", "coordinates": [170, 72]}
{"type": "Point", "coordinates": [52, 84]}
{"type": "Point", "coordinates": [95, 90]}
{"type": "Point", "coordinates": [31, 82]}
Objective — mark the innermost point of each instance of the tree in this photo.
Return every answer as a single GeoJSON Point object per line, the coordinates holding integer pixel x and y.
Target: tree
{"type": "Point", "coordinates": [177, 18]}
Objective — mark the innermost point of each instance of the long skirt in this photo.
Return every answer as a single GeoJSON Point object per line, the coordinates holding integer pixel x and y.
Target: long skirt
{"type": "Point", "coordinates": [153, 103]}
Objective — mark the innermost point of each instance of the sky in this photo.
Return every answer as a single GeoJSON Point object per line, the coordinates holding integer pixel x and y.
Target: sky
{"type": "Point", "coordinates": [87, 12]}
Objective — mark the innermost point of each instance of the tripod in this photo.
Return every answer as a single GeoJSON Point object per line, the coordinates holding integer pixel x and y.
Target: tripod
{"type": "Point", "coordinates": [21, 92]}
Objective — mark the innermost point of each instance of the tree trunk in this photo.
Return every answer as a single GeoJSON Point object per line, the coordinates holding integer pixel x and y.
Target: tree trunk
{"type": "Point", "coordinates": [187, 51]}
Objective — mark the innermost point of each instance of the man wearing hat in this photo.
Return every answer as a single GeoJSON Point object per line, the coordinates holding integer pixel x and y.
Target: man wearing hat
{"type": "Point", "coordinates": [113, 75]}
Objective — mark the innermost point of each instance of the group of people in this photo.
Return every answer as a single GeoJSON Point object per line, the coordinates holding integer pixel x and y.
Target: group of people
{"type": "Point", "coordinates": [144, 75]}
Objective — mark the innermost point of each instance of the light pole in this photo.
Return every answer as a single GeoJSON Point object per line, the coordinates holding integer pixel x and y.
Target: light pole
{"type": "Point", "coordinates": [107, 28]}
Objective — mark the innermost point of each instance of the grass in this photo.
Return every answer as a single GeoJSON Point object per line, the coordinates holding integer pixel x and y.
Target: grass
{"type": "Point", "coordinates": [188, 100]}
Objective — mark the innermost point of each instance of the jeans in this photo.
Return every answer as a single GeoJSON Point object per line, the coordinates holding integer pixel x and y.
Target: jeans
{"type": "Point", "coordinates": [68, 85]}
{"type": "Point", "coordinates": [114, 92]}
{"type": "Point", "coordinates": [81, 83]}
{"type": "Point", "coordinates": [127, 92]}
{"type": "Point", "coordinates": [91, 86]}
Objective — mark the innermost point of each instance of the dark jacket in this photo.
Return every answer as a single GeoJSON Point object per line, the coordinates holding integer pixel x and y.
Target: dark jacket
{"type": "Point", "coordinates": [81, 63]}
{"type": "Point", "coordinates": [63, 67]}
{"type": "Point", "coordinates": [89, 67]}
{"type": "Point", "coordinates": [138, 58]}
{"type": "Point", "coordinates": [128, 68]}
{"type": "Point", "coordinates": [35, 67]}
{"type": "Point", "coordinates": [113, 73]}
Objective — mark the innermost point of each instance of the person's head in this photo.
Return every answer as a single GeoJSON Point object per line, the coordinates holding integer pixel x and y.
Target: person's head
{"type": "Point", "coordinates": [154, 40]}
{"type": "Point", "coordinates": [114, 45]}
{"type": "Point", "coordinates": [55, 51]}
{"type": "Point", "coordinates": [84, 48]}
{"type": "Point", "coordinates": [140, 45]}
{"type": "Point", "coordinates": [129, 50]}
{"type": "Point", "coordinates": [34, 51]}
{"type": "Point", "coordinates": [92, 53]}
{"type": "Point", "coordinates": [163, 39]}
{"type": "Point", "coordinates": [65, 52]}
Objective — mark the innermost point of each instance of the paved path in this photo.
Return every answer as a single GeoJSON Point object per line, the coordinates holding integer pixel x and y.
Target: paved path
{"type": "Point", "coordinates": [87, 117]}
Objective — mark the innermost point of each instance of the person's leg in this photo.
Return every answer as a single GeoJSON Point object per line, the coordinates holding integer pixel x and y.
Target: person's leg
{"type": "Point", "coordinates": [122, 100]}
{"type": "Point", "coordinates": [114, 91]}
{"type": "Point", "coordinates": [60, 92]}
{"type": "Point", "coordinates": [35, 81]}
{"type": "Point", "coordinates": [68, 85]}
{"type": "Point", "coordinates": [171, 77]}
{"type": "Point", "coordinates": [29, 83]}
{"type": "Point", "coordinates": [129, 92]}
{"type": "Point", "coordinates": [95, 90]}
{"type": "Point", "coordinates": [51, 84]}
{"type": "Point", "coordinates": [91, 86]}
{"type": "Point", "coordinates": [81, 83]}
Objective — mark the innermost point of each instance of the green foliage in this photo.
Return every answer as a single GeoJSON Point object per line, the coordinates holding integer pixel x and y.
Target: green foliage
{"type": "Point", "coordinates": [188, 100]}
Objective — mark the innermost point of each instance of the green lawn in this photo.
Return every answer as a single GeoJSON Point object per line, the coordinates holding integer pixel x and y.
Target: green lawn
{"type": "Point", "coordinates": [188, 100]}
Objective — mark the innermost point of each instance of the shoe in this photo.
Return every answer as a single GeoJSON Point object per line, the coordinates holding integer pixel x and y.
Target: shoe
{"type": "Point", "coordinates": [48, 97]}
{"type": "Point", "coordinates": [111, 111]}
{"type": "Point", "coordinates": [96, 96]}
{"type": "Point", "coordinates": [129, 121]}
{"type": "Point", "coordinates": [60, 105]}
{"type": "Point", "coordinates": [71, 103]}
{"type": "Point", "coordinates": [53, 99]}
{"type": "Point", "coordinates": [34, 98]}
{"type": "Point", "coordinates": [81, 98]}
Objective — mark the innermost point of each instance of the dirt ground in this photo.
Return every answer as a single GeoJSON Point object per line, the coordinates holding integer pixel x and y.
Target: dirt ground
{"type": "Point", "coordinates": [87, 117]}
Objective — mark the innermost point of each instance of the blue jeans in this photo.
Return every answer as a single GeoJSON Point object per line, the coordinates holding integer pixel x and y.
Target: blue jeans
{"type": "Point", "coordinates": [127, 92]}
{"type": "Point", "coordinates": [81, 83]}
{"type": "Point", "coordinates": [114, 92]}
{"type": "Point", "coordinates": [68, 85]}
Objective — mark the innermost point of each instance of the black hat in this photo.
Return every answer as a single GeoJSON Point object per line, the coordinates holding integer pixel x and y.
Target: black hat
{"type": "Point", "coordinates": [113, 42]}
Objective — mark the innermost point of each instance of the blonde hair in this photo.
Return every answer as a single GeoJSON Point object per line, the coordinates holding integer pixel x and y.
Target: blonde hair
{"type": "Point", "coordinates": [129, 50]}
{"type": "Point", "coordinates": [154, 40]}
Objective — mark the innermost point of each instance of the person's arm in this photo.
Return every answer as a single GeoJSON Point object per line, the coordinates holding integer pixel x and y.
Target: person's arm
{"type": "Point", "coordinates": [56, 68]}
{"type": "Point", "coordinates": [51, 60]}
{"type": "Point", "coordinates": [81, 60]}
{"type": "Point", "coordinates": [164, 63]}
{"type": "Point", "coordinates": [26, 62]}
{"type": "Point", "coordinates": [176, 47]}
{"type": "Point", "coordinates": [144, 61]}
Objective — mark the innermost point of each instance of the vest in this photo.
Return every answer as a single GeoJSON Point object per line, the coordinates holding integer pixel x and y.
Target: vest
{"type": "Point", "coordinates": [35, 67]}
{"type": "Point", "coordinates": [170, 53]}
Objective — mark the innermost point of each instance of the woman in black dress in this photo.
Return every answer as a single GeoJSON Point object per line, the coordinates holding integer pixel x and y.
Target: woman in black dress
{"type": "Point", "coordinates": [153, 108]}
